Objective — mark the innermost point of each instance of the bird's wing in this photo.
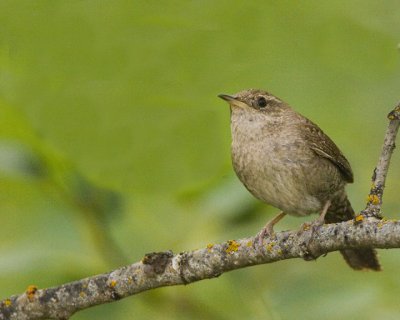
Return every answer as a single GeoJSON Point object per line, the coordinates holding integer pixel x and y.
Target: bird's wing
{"type": "Point", "coordinates": [323, 146]}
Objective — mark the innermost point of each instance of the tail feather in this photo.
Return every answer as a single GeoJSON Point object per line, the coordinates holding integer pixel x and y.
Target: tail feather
{"type": "Point", "coordinates": [361, 259]}
{"type": "Point", "coordinates": [358, 259]}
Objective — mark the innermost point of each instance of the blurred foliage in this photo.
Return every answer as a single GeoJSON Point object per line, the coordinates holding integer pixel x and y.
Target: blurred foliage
{"type": "Point", "coordinates": [111, 136]}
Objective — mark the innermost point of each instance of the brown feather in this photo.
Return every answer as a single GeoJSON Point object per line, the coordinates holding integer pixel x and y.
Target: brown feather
{"type": "Point", "coordinates": [323, 146]}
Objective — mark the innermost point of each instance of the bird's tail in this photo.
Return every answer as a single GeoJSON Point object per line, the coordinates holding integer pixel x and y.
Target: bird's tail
{"type": "Point", "coordinates": [358, 259]}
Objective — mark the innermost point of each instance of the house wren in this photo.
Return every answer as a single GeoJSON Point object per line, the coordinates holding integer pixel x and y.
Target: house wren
{"type": "Point", "coordinates": [287, 161]}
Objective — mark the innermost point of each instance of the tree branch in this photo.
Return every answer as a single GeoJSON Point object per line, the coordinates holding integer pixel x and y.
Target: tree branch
{"type": "Point", "coordinates": [166, 269]}
{"type": "Point", "coordinates": [374, 204]}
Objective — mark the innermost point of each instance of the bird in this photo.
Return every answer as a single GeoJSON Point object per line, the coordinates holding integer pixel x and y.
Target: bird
{"type": "Point", "coordinates": [287, 161]}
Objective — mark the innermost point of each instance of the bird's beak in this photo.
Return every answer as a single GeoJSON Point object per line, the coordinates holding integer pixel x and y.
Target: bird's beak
{"type": "Point", "coordinates": [226, 97]}
{"type": "Point", "coordinates": [233, 101]}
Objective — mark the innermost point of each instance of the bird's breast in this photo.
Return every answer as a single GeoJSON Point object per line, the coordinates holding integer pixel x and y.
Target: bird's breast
{"type": "Point", "coordinates": [274, 165]}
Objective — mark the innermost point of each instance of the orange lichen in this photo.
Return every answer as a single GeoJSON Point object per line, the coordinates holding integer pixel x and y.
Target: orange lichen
{"type": "Point", "coordinates": [359, 218]}
{"type": "Point", "coordinates": [31, 291]}
{"type": "Point", "coordinates": [249, 243]}
{"type": "Point", "coordinates": [113, 283]}
{"type": "Point", "coordinates": [82, 294]}
{"type": "Point", "coordinates": [373, 198]}
{"type": "Point", "coordinates": [7, 302]}
{"type": "Point", "coordinates": [233, 246]}
{"type": "Point", "coordinates": [209, 247]}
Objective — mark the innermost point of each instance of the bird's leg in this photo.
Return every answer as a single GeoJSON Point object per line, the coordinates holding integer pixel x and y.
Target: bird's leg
{"type": "Point", "coordinates": [321, 219]}
{"type": "Point", "coordinates": [268, 229]}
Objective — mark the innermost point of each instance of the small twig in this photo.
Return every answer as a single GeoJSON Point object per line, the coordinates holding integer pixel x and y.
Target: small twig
{"type": "Point", "coordinates": [374, 204]}
{"type": "Point", "coordinates": [166, 269]}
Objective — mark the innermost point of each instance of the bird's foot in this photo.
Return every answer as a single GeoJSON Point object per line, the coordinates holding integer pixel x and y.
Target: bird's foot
{"type": "Point", "coordinates": [268, 230]}
{"type": "Point", "coordinates": [306, 244]}
{"type": "Point", "coordinates": [314, 225]}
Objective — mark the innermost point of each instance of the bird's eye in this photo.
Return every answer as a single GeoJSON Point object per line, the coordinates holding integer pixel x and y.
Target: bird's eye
{"type": "Point", "coordinates": [261, 102]}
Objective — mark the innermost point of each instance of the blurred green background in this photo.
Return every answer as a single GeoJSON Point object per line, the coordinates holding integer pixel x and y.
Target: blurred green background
{"type": "Point", "coordinates": [113, 144]}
